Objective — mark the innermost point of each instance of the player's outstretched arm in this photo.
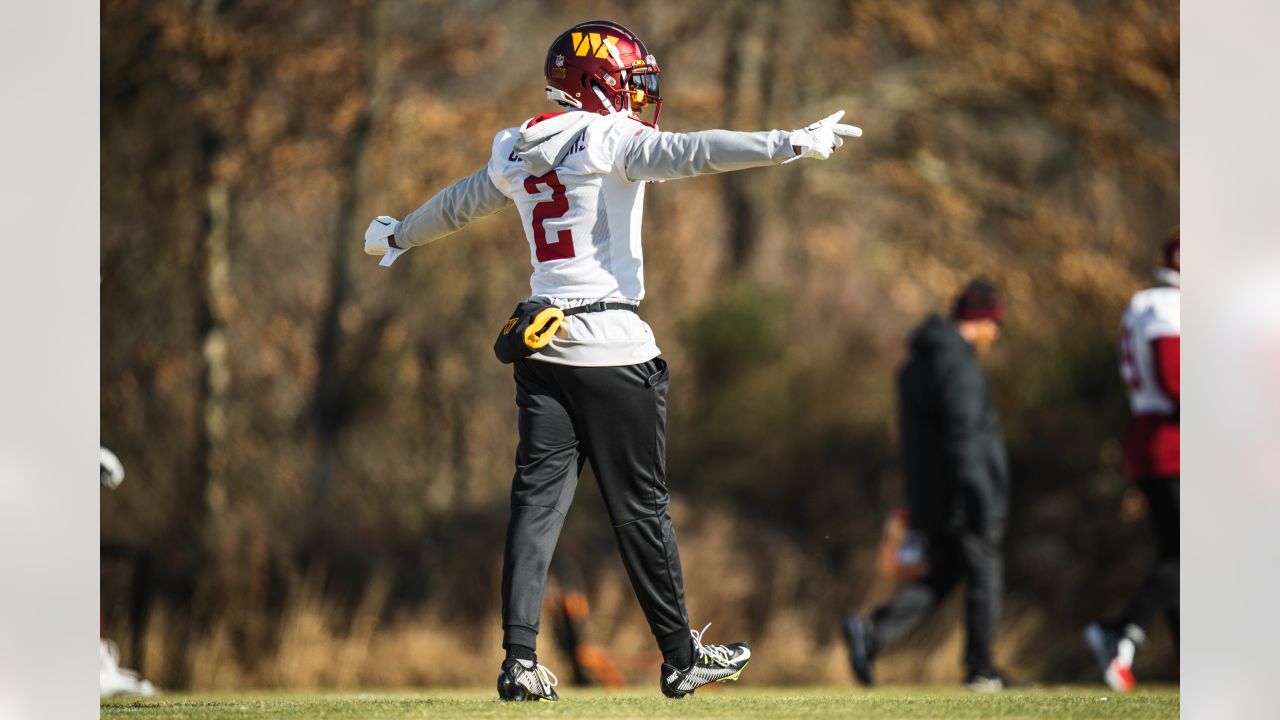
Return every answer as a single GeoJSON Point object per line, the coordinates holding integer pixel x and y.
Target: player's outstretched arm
{"type": "Point", "coordinates": [667, 156]}
{"type": "Point", "coordinates": [447, 212]}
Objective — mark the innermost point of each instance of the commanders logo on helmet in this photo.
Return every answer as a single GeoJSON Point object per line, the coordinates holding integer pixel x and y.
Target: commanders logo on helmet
{"type": "Point", "coordinates": [602, 67]}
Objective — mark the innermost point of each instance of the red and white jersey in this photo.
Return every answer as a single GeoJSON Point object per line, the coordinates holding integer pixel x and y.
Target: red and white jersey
{"type": "Point", "coordinates": [1153, 316]}
{"type": "Point", "coordinates": [582, 216]}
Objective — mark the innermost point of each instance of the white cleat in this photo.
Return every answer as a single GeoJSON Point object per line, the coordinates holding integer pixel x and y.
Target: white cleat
{"type": "Point", "coordinates": [1114, 651]}
{"type": "Point", "coordinates": [115, 680]}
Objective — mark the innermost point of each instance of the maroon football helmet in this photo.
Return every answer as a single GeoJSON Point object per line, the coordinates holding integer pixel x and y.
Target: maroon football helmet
{"type": "Point", "coordinates": [1171, 250]}
{"type": "Point", "coordinates": [602, 67]}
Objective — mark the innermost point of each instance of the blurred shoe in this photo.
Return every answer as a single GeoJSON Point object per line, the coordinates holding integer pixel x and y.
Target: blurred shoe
{"type": "Point", "coordinates": [115, 680]}
{"type": "Point", "coordinates": [711, 663]}
{"type": "Point", "coordinates": [1114, 650]}
{"type": "Point", "coordinates": [527, 680]}
{"type": "Point", "coordinates": [990, 680]}
{"type": "Point", "coordinates": [857, 635]}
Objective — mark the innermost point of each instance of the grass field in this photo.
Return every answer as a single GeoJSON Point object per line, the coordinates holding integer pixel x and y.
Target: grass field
{"type": "Point", "coordinates": [1058, 702]}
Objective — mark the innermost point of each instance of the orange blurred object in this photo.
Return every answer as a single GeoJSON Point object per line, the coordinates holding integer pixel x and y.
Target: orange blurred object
{"type": "Point", "coordinates": [576, 606]}
{"type": "Point", "coordinates": [891, 561]}
{"type": "Point", "coordinates": [602, 668]}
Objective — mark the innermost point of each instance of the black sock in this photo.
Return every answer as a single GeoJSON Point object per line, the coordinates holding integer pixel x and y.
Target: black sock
{"type": "Point", "coordinates": [521, 652]}
{"type": "Point", "coordinates": [681, 657]}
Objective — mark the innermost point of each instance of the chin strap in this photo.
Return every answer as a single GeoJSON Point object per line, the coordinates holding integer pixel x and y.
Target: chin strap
{"type": "Point", "coordinates": [603, 99]}
{"type": "Point", "coordinates": [560, 97]}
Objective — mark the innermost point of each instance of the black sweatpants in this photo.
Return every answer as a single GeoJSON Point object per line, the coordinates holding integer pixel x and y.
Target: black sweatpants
{"type": "Point", "coordinates": [968, 555]}
{"type": "Point", "coordinates": [1160, 590]}
{"type": "Point", "coordinates": [616, 419]}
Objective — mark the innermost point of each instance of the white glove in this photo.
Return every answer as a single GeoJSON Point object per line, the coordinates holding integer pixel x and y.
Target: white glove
{"type": "Point", "coordinates": [377, 239]}
{"type": "Point", "coordinates": [820, 139]}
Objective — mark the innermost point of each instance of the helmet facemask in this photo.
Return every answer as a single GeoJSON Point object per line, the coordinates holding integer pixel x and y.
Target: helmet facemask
{"type": "Point", "coordinates": [642, 89]}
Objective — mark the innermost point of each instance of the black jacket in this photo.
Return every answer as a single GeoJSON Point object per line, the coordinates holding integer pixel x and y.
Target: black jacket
{"type": "Point", "coordinates": [953, 452]}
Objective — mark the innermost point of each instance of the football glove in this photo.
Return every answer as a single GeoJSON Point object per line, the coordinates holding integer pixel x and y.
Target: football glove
{"type": "Point", "coordinates": [820, 139]}
{"type": "Point", "coordinates": [377, 239]}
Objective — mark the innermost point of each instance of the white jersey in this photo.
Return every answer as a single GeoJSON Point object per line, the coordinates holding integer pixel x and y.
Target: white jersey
{"type": "Point", "coordinates": [582, 217]}
{"type": "Point", "coordinates": [577, 179]}
{"type": "Point", "coordinates": [582, 221]}
{"type": "Point", "coordinates": [1152, 313]}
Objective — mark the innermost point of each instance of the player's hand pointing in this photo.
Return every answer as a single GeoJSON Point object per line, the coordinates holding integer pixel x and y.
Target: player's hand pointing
{"type": "Point", "coordinates": [820, 139]}
{"type": "Point", "coordinates": [380, 239]}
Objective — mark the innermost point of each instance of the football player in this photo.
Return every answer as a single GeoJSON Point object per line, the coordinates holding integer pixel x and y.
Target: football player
{"type": "Point", "coordinates": [113, 679]}
{"type": "Point", "coordinates": [1149, 365]}
{"type": "Point", "coordinates": [596, 392]}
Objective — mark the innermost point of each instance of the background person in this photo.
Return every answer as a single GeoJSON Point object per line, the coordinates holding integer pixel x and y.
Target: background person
{"type": "Point", "coordinates": [1150, 333]}
{"type": "Point", "coordinates": [957, 487]}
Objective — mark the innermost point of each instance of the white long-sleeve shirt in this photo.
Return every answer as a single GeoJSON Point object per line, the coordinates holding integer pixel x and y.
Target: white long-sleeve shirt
{"type": "Point", "coordinates": [577, 179]}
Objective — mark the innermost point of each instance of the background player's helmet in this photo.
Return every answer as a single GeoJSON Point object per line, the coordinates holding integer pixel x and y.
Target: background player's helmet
{"type": "Point", "coordinates": [602, 67]}
{"type": "Point", "coordinates": [1171, 250]}
{"type": "Point", "coordinates": [1169, 263]}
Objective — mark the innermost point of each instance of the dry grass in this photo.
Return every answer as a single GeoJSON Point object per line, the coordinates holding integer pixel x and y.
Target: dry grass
{"type": "Point", "coordinates": [795, 635]}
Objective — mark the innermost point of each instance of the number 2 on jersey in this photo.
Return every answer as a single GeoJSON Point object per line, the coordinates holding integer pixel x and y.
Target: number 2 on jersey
{"type": "Point", "coordinates": [549, 209]}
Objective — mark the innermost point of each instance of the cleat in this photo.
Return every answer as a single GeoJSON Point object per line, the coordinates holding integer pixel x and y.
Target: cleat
{"type": "Point", "coordinates": [1114, 651]}
{"type": "Point", "coordinates": [114, 680]}
{"type": "Point", "coordinates": [524, 680]}
{"type": "Point", "coordinates": [711, 663]}
{"type": "Point", "coordinates": [857, 635]}
{"type": "Point", "coordinates": [989, 681]}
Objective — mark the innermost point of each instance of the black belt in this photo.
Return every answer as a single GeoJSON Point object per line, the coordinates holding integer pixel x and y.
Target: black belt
{"type": "Point", "coordinates": [601, 306]}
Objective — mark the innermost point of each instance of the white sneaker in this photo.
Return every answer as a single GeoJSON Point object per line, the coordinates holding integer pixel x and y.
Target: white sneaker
{"type": "Point", "coordinates": [1115, 651]}
{"type": "Point", "coordinates": [115, 680]}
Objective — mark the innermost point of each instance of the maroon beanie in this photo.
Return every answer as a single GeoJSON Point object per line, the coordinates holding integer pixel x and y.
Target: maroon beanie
{"type": "Point", "coordinates": [979, 301]}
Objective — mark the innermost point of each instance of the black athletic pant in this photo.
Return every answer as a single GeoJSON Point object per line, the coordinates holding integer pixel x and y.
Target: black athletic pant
{"type": "Point", "coordinates": [972, 556]}
{"type": "Point", "coordinates": [615, 418]}
{"type": "Point", "coordinates": [1160, 590]}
